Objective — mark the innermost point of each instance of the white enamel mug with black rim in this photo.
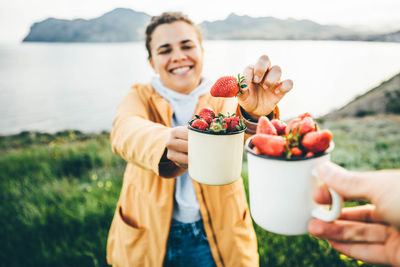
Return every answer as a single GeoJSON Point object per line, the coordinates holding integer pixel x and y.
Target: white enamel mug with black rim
{"type": "Point", "coordinates": [280, 192]}
{"type": "Point", "coordinates": [215, 158]}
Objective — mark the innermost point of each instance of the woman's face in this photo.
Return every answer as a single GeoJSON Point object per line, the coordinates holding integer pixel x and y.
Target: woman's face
{"type": "Point", "coordinates": [177, 56]}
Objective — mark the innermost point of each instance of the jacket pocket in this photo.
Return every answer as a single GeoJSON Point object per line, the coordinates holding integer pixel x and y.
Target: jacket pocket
{"type": "Point", "coordinates": [130, 243]}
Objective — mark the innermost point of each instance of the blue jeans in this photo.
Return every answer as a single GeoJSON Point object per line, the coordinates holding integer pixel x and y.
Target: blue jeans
{"type": "Point", "coordinates": [188, 246]}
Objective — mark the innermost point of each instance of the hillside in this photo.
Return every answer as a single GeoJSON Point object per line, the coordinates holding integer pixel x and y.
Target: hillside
{"type": "Point", "coordinates": [125, 25]}
{"type": "Point", "coordinates": [119, 25]}
{"type": "Point", "coordinates": [270, 28]}
{"type": "Point", "coordinates": [383, 99]}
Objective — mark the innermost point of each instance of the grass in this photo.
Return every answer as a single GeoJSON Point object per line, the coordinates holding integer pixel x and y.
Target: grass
{"type": "Point", "coordinates": [58, 194]}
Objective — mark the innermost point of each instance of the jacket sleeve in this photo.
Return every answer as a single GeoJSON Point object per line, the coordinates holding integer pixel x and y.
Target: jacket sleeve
{"type": "Point", "coordinates": [139, 140]}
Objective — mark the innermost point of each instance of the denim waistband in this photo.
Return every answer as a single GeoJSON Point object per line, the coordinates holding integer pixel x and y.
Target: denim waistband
{"type": "Point", "coordinates": [185, 228]}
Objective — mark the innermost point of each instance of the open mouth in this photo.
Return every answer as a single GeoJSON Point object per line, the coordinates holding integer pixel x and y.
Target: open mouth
{"type": "Point", "coordinates": [181, 70]}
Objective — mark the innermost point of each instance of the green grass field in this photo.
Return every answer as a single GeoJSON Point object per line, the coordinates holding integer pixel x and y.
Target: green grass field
{"type": "Point", "coordinates": [58, 194]}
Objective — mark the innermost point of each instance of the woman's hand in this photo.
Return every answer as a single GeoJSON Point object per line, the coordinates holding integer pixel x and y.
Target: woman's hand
{"type": "Point", "coordinates": [264, 88]}
{"type": "Point", "coordinates": [177, 146]}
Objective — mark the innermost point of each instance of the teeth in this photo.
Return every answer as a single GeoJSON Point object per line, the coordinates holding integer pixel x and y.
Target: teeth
{"type": "Point", "coordinates": [180, 70]}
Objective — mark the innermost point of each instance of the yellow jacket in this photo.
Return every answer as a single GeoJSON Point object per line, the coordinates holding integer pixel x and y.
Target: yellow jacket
{"type": "Point", "coordinates": [140, 227]}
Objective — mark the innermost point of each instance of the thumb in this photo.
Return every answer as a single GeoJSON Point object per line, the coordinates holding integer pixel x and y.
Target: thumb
{"type": "Point", "coordinates": [248, 77]}
{"type": "Point", "coordinates": [350, 185]}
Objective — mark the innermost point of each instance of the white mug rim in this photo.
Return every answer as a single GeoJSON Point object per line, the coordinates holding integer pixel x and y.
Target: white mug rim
{"type": "Point", "coordinates": [213, 133]}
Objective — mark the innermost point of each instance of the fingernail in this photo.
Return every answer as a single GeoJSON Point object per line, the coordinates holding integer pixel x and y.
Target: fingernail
{"type": "Point", "coordinates": [256, 79]}
{"type": "Point", "coordinates": [277, 91]}
{"type": "Point", "coordinates": [265, 86]}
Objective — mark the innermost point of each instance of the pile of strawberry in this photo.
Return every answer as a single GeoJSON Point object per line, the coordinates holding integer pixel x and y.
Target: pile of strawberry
{"type": "Point", "coordinates": [206, 120]}
{"type": "Point", "coordinates": [300, 137]}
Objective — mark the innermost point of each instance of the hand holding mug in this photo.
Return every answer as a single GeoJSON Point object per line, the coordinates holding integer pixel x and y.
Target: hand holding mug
{"type": "Point", "coordinates": [177, 146]}
{"type": "Point", "coordinates": [371, 232]}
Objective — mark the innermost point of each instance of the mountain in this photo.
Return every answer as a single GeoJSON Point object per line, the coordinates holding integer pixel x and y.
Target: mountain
{"type": "Point", "coordinates": [269, 28]}
{"type": "Point", "coordinates": [119, 25]}
{"type": "Point", "coordinates": [383, 99]}
{"type": "Point", "coordinates": [389, 37]}
{"type": "Point", "coordinates": [126, 25]}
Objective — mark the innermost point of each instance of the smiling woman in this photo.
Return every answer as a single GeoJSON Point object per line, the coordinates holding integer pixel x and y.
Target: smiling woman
{"type": "Point", "coordinates": [163, 217]}
{"type": "Point", "coordinates": [177, 56]}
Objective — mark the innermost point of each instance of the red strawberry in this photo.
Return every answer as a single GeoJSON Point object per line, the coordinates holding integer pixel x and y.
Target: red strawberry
{"type": "Point", "coordinates": [207, 114]}
{"type": "Point", "coordinates": [304, 115]}
{"type": "Point", "coordinates": [317, 141]}
{"type": "Point", "coordinates": [279, 125]}
{"type": "Point", "coordinates": [269, 145]}
{"type": "Point", "coordinates": [218, 125]}
{"type": "Point", "coordinates": [265, 126]}
{"type": "Point", "coordinates": [256, 150]}
{"type": "Point", "coordinates": [309, 154]}
{"type": "Point", "coordinates": [200, 124]}
{"type": "Point", "coordinates": [301, 127]}
{"type": "Point", "coordinates": [291, 124]}
{"type": "Point", "coordinates": [235, 124]}
{"type": "Point", "coordinates": [306, 125]}
{"type": "Point", "coordinates": [296, 152]}
{"type": "Point", "coordinates": [228, 86]}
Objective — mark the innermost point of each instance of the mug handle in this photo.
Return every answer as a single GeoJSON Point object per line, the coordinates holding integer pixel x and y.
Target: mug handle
{"type": "Point", "coordinates": [337, 205]}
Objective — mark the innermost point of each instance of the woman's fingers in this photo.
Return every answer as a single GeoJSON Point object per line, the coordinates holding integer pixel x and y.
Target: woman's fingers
{"type": "Point", "coordinates": [180, 159]}
{"type": "Point", "coordinates": [260, 68]}
{"type": "Point", "coordinates": [282, 87]}
{"type": "Point", "coordinates": [349, 231]}
{"type": "Point", "coordinates": [273, 76]}
{"type": "Point", "coordinates": [180, 132]}
{"type": "Point", "coordinates": [178, 145]}
{"type": "Point", "coordinates": [248, 74]}
{"type": "Point", "coordinates": [371, 253]}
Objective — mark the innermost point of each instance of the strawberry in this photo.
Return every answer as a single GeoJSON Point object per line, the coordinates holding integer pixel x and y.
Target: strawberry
{"type": "Point", "coordinates": [234, 124]}
{"type": "Point", "coordinates": [265, 126]}
{"type": "Point", "coordinates": [296, 152]}
{"type": "Point", "coordinates": [228, 86]}
{"type": "Point", "coordinates": [317, 141]}
{"type": "Point", "coordinates": [269, 145]}
{"type": "Point", "coordinates": [309, 154]}
{"type": "Point", "coordinates": [301, 126]}
{"type": "Point", "coordinates": [304, 115]}
{"type": "Point", "coordinates": [200, 124]}
{"type": "Point", "coordinates": [218, 125]}
{"type": "Point", "coordinates": [256, 150]}
{"type": "Point", "coordinates": [291, 124]}
{"type": "Point", "coordinates": [207, 114]}
{"type": "Point", "coordinates": [279, 125]}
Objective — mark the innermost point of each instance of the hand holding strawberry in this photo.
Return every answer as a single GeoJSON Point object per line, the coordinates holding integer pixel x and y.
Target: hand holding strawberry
{"type": "Point", "coordinates": [258, 91]}
{"type": "Point", "coordinates": [264, 89]}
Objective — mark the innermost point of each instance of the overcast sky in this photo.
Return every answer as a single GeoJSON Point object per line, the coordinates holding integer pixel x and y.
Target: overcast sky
{"type": "Point", "coordinates": [16, 16]}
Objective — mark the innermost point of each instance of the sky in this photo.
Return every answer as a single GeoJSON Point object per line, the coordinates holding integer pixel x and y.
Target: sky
{"type": "Point", "coordinates": [16, 16]}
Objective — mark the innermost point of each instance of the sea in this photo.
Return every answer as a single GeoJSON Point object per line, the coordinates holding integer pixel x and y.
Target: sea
{"type": "Point", "coordinates": [50, 87]}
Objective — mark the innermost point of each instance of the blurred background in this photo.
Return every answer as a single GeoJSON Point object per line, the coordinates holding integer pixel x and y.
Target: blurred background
{"type": "Point", "coordinates": [65, 66]}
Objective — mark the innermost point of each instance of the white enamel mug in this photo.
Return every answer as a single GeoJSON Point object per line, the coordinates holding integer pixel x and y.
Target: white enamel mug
{"type": "Point", "coordinates": [281, 192]}
{"type": "Point", "coordinates": [215, 158]}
